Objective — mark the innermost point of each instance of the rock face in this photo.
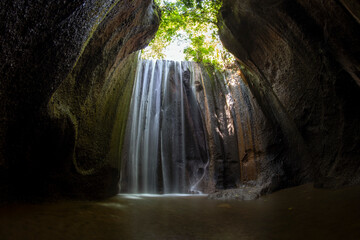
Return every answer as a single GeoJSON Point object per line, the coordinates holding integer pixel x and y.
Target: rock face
{"type": "Point", "coordinates": [302, 65]}
{"type": "Point", "coordinates": [242, 143]}
{"type": "Point", "coordinates": [67, 72]}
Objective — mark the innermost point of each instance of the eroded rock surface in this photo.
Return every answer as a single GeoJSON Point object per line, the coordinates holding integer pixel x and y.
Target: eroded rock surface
{"type": "Point", "coordinates": [243, 145]}
{"type": "Point", "coordinates": [302, 66]}
{"type": "Point", "coordinates": [66, 79]}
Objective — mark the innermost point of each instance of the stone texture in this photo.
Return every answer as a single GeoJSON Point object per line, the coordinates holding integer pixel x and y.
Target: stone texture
{"type": "Point", "coordinates": [244, 194]}
{"type": "Point", "coordinates": [66, 79]}
{"type": "Point", "coordinates": [242, 143]}
{"type": "Point", "coordinates": [300, 61]}
{"type": "Point", "coordinates": [212, 96]}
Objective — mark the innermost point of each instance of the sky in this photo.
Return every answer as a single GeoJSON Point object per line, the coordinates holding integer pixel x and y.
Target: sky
{"type": "Point", "coordinates": [175, 51]}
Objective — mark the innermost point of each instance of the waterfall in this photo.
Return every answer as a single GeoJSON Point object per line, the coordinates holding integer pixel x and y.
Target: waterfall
{"type": "Point", "coordinates": [167, 151]}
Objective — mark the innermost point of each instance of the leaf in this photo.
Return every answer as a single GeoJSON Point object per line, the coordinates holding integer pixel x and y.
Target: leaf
{"type": "Point", "coordinates": [193, 20]}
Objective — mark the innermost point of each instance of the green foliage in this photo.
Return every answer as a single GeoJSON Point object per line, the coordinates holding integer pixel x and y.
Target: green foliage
{"type": "Point", "coordinates": [194, 22]}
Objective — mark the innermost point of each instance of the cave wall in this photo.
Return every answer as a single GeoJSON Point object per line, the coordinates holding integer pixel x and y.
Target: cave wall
{"type": "Point", "coordinates": [300, 60]}
{"type": "Point", "coordinates": [67, 70]}
{"type": "Point", "coordinates": [212, 94]}
{"type": "Point", "coordinates": [244, 148]}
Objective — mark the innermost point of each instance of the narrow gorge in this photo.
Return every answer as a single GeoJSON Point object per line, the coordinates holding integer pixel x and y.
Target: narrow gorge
{"type": "Point", "coordinates": [83, 117]}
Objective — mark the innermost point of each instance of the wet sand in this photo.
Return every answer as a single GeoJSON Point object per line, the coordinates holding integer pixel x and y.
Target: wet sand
{"type": "Point", "coordinates": [296, 213]}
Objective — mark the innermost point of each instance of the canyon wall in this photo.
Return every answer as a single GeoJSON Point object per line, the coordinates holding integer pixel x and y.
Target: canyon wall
{"type": "Point", "coordinates": [67, 71]}
{"type": "Point", "coordinates": [244, 148]}
{"type": "Point", "coordinates": [300, 60]}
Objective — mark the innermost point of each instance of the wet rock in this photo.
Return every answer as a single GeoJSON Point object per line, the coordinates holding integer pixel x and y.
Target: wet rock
{"type": "Point", "coordinates": [300, 62]}
{"type": "Point", "coordinates": [242, 142]}
{"type": "Point", "coordinates": [243, 193]}
{"type": "Point", "coordinates": [223, 170]}
{"type": "Point", "coordinates": [67, 73]}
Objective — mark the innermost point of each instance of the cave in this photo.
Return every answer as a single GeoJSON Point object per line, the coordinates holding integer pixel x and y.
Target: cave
{"type": "Point", "coordinates": [269, 150]}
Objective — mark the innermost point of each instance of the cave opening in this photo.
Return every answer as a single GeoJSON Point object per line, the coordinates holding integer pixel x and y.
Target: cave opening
{"type": "Point", "coordinates": [188, 31]}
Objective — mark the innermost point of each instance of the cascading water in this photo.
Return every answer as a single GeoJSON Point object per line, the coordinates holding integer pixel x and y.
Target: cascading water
{"type": "Point", "coordinates": [167, 150]}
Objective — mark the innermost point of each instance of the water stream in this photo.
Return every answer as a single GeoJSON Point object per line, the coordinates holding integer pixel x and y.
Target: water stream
{"type": "Point", "coordinates": [167, 151]}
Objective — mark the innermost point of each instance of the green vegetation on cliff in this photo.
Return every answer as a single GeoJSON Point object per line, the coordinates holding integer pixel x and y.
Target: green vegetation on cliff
{"type": "Point", "coordinates": [192, 22]}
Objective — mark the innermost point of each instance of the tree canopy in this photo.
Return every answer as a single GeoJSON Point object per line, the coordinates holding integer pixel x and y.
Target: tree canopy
{"type": "Point", "coordinates": [193, 22]}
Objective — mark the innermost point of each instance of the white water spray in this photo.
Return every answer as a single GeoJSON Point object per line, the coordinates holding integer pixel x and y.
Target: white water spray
{"type": "Point", "coordinates": [166, 128]}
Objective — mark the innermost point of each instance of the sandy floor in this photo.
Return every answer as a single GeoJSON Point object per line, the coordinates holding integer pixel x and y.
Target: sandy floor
{"type": "Point", "coordinates": [297, 213]}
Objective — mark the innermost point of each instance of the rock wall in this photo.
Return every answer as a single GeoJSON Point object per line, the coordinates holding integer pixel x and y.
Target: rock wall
{"type": "Point", "coordinates": [214, 99]}
{"type": "Point", "coordinates": [243, 145]}
{"type": "Point", "coordinates": [300, 60]}
{"type": "Point", "coordinates": [67, 71]}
